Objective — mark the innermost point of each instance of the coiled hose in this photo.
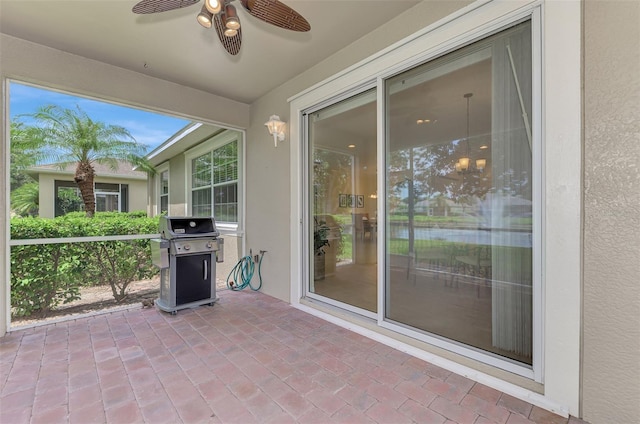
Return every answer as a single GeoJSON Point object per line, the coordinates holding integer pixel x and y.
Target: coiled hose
{"type": "Point", "coordinates": [240, 276]}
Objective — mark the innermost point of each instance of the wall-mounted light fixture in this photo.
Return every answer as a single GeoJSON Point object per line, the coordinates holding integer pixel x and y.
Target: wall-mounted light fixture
{"type": "Point", "coordinates": [276, 128]}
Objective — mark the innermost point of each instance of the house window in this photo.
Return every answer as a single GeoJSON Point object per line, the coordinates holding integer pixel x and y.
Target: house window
{"type": "Point", "coordinates": [225, 183]}
{"type": "Point", "coordinates": [214, 178]}
{"type": "Point", "coordinates": [201, 184]}
{"type": "Point", "coordinates": [68, 198]}
{"type": "Point", "coordinates": [163, 192]}
{"type": "Point", "coordinates": [109, 197]}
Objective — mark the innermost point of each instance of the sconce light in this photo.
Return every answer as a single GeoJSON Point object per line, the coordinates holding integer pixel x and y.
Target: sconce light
{"type": "Point", "coordinates": [276, 128]}
{"type": "Point", "coordinates": [480, 164]}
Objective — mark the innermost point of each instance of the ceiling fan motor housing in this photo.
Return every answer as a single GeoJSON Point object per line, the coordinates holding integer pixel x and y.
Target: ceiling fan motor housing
{"type": "Point", "coordinates": [223, 15]}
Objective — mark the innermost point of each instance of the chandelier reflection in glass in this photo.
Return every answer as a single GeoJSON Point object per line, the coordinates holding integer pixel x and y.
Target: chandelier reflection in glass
{"type": "Point", "coordinates": [464, 165]}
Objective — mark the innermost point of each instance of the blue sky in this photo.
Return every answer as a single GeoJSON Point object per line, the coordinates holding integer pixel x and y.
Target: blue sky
{"type": "Point", "coordinates": [148, 128]}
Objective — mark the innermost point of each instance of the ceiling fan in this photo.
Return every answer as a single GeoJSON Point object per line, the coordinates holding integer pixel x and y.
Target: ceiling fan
{"type": "Point", "coordinates": [222, 14]}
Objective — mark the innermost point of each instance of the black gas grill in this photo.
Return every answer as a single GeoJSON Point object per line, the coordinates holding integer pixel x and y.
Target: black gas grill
{"type": "Point", "coordinates": [186, 254]}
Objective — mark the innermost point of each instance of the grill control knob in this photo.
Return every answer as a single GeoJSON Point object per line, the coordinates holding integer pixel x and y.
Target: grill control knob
{"type": "Point", "coordinates": [187, 247]}
{"type": "Point", "coordinates": [209, 245]}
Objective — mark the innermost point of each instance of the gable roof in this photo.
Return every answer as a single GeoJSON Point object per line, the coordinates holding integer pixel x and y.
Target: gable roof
{"type": "Point", "coordinates": [125, 170]}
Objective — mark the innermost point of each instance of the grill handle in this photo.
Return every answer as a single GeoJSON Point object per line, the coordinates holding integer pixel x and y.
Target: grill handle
{"type": "Point", "coordinates": [206, 269]}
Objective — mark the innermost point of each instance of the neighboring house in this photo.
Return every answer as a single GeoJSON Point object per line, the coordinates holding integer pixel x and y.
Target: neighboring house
{"type": "Point", "coordinates": [582, 315]}
{"type": "Point", "coordinates": [439, 207]}
{"type": "Point", "coordinates": [120, 190]}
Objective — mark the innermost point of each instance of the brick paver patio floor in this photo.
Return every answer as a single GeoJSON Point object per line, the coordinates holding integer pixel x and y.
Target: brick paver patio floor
{"type": "Point", "coordinates": [249, 359]}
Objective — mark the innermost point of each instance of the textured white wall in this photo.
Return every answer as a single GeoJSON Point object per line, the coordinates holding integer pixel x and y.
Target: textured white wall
{"type": "Point", "coordinates": [611, 291]}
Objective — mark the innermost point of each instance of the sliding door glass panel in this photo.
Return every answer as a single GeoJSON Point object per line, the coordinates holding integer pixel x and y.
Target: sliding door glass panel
{"type": "Point", "coordinates": [343, 197]}
{"type": "Point", "coordinates": [459, 196]}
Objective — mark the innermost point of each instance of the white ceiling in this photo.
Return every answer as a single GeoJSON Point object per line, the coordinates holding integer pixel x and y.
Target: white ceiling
{"type": "Point", "coordinates": [174, 47]}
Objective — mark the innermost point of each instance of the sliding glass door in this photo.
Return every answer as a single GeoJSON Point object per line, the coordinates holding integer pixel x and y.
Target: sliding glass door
{"type": "Point", "coordinates": [458, 227]}
{"type": "Point", "coordinates": [343, 203]}
{"type": "Point", "coordinates": [460, 196]}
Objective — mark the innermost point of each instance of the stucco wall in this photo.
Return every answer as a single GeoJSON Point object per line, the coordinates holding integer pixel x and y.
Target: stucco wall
{"type": "Point", "coordinates": [46, 182]}
{"type": "Point", "coordinates": [46, 195]}
{"type": "Point", "coordinates": [177, 185]}
{"type": "Point", "coordinates": [611, 292]}
{"type": "Point", "coordinates": [268, 196]}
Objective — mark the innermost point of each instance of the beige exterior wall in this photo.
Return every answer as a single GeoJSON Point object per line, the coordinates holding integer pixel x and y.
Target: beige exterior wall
{"type": "Point", "coordinates": [177, 186]}
{"type": "Point", "coordinates": [270, 197]}
{"type": "Point", "coordinates": [153, 186]}
{"type": "Point", "coordinates": [611, 292]}
{"type": "Point", "coordinates": [46, 184]}
{"type": "Point", "coordinates": [46, 195]}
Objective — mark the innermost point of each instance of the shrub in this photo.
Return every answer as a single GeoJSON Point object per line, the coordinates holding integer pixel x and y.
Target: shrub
{"type": "Point", "coordinates": [118, 263]}
{"type": "Point", "coordinates": [46, 275]}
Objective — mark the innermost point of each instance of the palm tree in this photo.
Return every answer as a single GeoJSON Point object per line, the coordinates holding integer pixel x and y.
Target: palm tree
{"type": "Point", "coordinates": [24, 153]}
{"type": "Point", "coordinates": [25, 199]}
{"type": "Point", "coordinates": [70, 136]}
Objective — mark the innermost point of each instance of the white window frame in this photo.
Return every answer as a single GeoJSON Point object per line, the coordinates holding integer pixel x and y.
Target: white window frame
{"type": "Point", "coordinates": [159, 170]}
{"type": "Point", "coordinates": [557, 123]}
{"type": "Point", "coordinates": [97, 192]}
{"type": "Point", "coordinates": [208, 146]}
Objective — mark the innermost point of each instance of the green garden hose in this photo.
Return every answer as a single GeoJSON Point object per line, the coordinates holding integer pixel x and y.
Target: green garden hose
{"type": "Point", "coordinates": [240, 276]}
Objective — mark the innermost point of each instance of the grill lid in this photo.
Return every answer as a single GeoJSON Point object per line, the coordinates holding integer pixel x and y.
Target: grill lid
{"type": "Point", "coordinates": [184, 227]}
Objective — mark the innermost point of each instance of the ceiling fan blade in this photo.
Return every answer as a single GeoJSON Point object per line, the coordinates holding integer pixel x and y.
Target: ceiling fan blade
{"type": "Point", "coordinates": [276, 13]}
{"type": "Point", "coordinates": [155, 6]}
{"type": "Point", "coordinates": [231, 44]}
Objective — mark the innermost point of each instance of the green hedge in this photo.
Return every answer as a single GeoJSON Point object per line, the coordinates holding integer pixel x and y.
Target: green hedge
{"type": "Point", "coordinates": [45, 276]}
